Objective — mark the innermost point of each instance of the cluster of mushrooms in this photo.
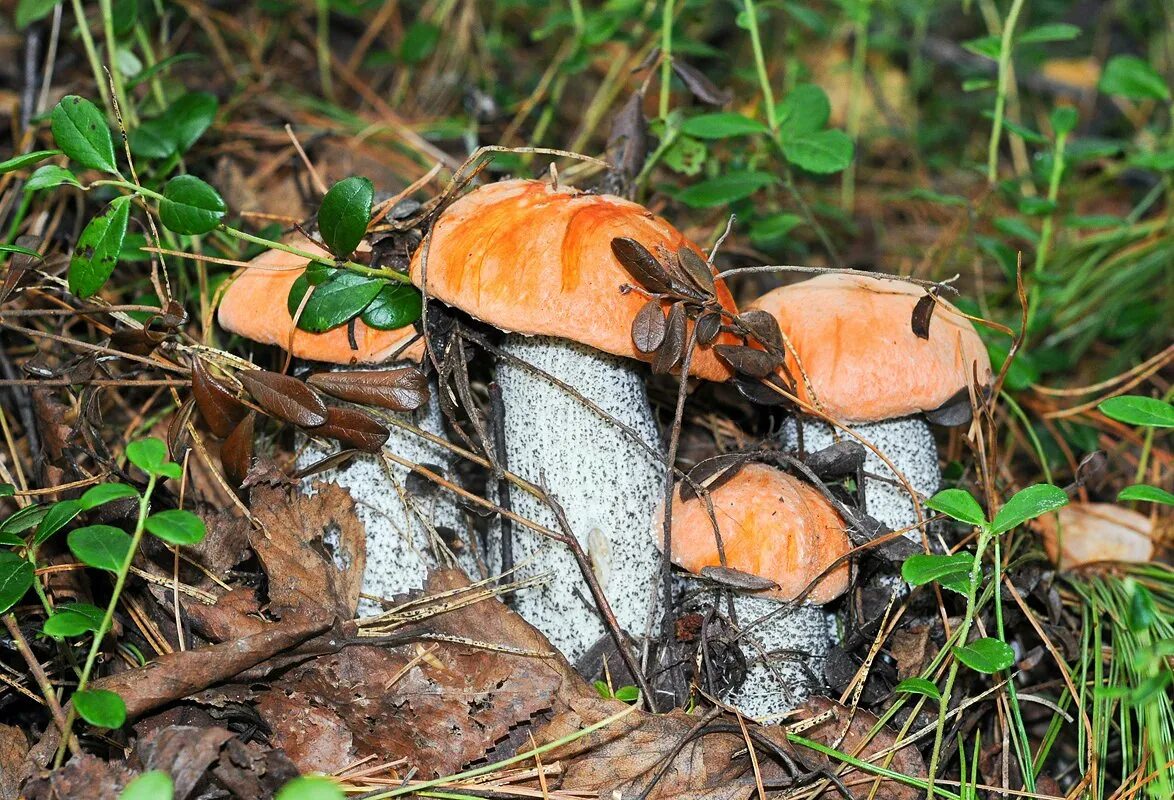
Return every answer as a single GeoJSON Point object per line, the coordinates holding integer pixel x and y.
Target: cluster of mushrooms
{"type": "Point", "coordinates": [586, 287]}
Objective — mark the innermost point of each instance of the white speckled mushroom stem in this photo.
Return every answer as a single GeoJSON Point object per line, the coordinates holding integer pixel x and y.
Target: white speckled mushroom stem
{"type": "Point", "coordinates": [907, 442]}
{"type": "Point", "coordinates": [401, 545]}
{"type": "Point", "coordinates": [607, 484]}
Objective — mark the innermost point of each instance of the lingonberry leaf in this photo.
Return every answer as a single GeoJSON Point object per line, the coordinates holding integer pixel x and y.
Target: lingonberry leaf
{"type": "Point", "coordinates": [16, 578]}
{"type": "Point", "coordinates": [218, 405]}
{"type": "Point", "coordinates": [919, 686]}
{"type": "Point", "coordinates": [397, 389]}
{"type": "Point", "coordinates": [236, 454]}
{"type": "Point", "coordinates": [396, 306]}
{"type": "Point", "coordinates": [100, 546]}
{"type": "Point", "coordinates": [284, 397]}
{"type": "Point", "coordinates": [986, 655]}
{"type": "Point", "coordinates": [80, 130]}
{"type": "Point", "coordinates": [190, 206]}
{"type": "Point", "coordinates": [59, 515]}
{"type": "Point", "coordinates": [26, 160]}
{"type": "Point", "coordinates": [648, 327]}
{"type": "Point", "coordinates": [100, 708]}
{"type": "Point", "coordinates": [354, 428]}
{"type": "Point", "coordinates": [177, 526]}
{"type": "Point", "coordinates": [344, 214]}
{"type": "Point", "coordinates": [951, 571]}
{"type": "Point", "coordinates": [105, 493]}
{"type": "Point", "coordinates": [153, 785]}
{"type": "Point", "coordinates": [1135, 409]}
{"type": "Point", "coordinates": [98, 248]}
{"type": "Point", "coordinates": [335, 301]}
{"type": "Point", "coordinates": [641, 264]}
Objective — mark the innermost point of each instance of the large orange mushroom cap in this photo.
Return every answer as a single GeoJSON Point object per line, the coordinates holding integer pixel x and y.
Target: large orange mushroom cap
{"type": "Point", "coordinates": [530, 258]}
{"type": "Point", "coordinates": [854, 337]}
{"type": "Point", "coordinates": [1087, 533]}
{"type": "Point", "coordinates": [772, 525]}
{"type": "Point", "coordinates": [254, 306]}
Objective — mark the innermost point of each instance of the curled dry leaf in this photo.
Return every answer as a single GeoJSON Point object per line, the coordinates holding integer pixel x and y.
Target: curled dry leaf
{"type": "Point", "coordinates": [762, 326]}
{"type": "Point", "coordinates": [697, 270]}
{"type": "Point", "coordinates": [713, 472]}
{"type": "Point", "coordinates": [177, 430]}
{"type": "Point", "coordinates": [672, 349]}
{"type": "Point", "coordinates": [922, 315]}
{"type": "Point", "coordinates": [758, 392]}
{"type": "Point", "coordinates": [354, 428]}
{"type": "Point", "coordinates": [236, 455]}
{"type": "Point", "coordinates": [702, 87]}
{"type": "Point", "coordinates": [648, 328]}
{"type": "Point", "coordinates": [747, 360]}
{"type": "Point", "coordinates": [285, 398]}
{"type": "Point", "coordinates": [137, 341]}
{"type": "Point", "coordinates": [398, 389]}
{"type": "Point", "coordinates": [709, 325]}
{"type": "Point", "coordinates": [219, 407]}
{"type": "Point", "coordinates": [737, 579]}
{"type": "Point", "coordinates": [835, 460]}
{"type": "Point", "coordinates": [641, 264]}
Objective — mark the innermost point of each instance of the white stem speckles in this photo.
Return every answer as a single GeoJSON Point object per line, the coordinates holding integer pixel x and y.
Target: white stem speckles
{"type": "Point", "coordinates": [607, 484]}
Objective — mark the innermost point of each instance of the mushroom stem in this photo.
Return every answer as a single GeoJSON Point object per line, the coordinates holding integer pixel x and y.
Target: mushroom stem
{"type": "Point", "coordinates": [907, 442]}
{"type": "Point", "coordinates": [403, 523]}
{"type": "Point", "coordinates": [607, 484]}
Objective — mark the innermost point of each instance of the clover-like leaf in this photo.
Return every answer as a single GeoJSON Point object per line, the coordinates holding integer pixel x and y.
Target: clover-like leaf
{"type": "Point", "coordinates": [986, 655]}
{"type": "Point", "coordinates": [100, 708]}
{"type": "Point", "coordinates": [1028, 504]}
{"type": "Point", "coordinates": [177, 526]}
{"type": "Point", "coordinates": [153, 785]}
{"type": "Point", "coordinates": [105, 493]}
{"type": "Point", "coordinates": [190, 206]}
{"type": "Point", "coordinates": [100, 546]}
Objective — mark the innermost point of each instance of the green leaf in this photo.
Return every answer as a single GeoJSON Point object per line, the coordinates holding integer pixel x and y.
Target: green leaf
{"type": "Point", "coordinates": [26, 160]}
{"type": "Point", "coordinates": [986, 655]}
{"type": "Point", "coordinates": [1028, 504]}
{"type": "Point", "coordinates": [105, 493]}
{"type": "Point", "coordinates": [100, 546]}
{"type": "Point", "coordinates": [100, 708]}
{"type": "Point", "coordinates": [335, 301]}
{"type": "Point", "coordinates": [1022, 131]}
{"type": "Point", "coordinates": [160, 66]}
{"type": "Point", "coordinates": [1134, 78]}
{"type": "Point", "coordinates": [772, 229]}
{"type": "Point", "coordinates": [97, 250]}
{"type": "Point", "coordinates": [1162, 161]}
{"type": "Point", "coordinates": [628, 694]}
{"type": "Point", "coordinates": [728, 188]}
{"type": "Point", "coordinates": [344, 214]}
{"type": "Point", "coordinates": [822, 152]}
{"type": "Point", "coordinates": [149, 455]}
{"type": "Point", "coordinates": [311, 787]}
{"type": "Point", "coordinates": [1146, 494]}
{"type": "Point", "coordinates": [1142, 611]}
{"type": "Point", "coordinates": [175, 130]}
{"type": "Point", "coordinates": [396, 306]}
{"type": "Point", "coordinates": [958, 504]}
{"type": "Point", "coordinates": [24, 519]}
{"type": "Point", "coordinates": [16, 578]}
{"type": "Point", "coordinates": [7, 490]}
{"type": "Point", "coordinates": [419, 42]}
{"type": "Point", "coordinates": [1133, 409]}
{"type": "Point", "coordinates": [190, 206]}
{"type": "Point", "coordinates": [1064, 120]}
{"type": "Point", "coordinates": [985, 46]}
{"type": "Point", "coordinates": [80, 130]}
{"type": "Point", "coordinates": [23, 251]}
{"type": "Point", "coordinates": [177, 526]}
{"type": "Point", "coordinates": [57, 517]}
{"type": "Point", "coordinates": [805, 110]}
{"type": "Point", "coordinates": [686, 155]}
{"type": "Point", "coordinates": [722, 125]}
{"type": "Point", "coordinates": [1054, 32]}
{"type": "Point", "coordinates": [50, 176]}
{"type": "Point", "coordinates": [977, 84]}
{"type": "Point", "coordinates": [153, 785]}
{"type": "Point", "coordinates": [73, 619]}
{"type": "Point", "coordinates": [29, 11]}
{"type": "Point", "coordinates": [124, 14]}
{"type": "Point", "coordinates": [919, 686]}
{"type": "Point", "coordinates": [951, 571]}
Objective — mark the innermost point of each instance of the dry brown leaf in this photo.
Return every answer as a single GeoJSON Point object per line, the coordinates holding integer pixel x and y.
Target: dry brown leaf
{"type": "Point", "coordinates": [14, 747]}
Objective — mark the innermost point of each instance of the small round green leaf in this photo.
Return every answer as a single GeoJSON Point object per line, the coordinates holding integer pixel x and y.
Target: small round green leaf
{"type": "Point", "coordinates": [804, 110]}
{"type": "Point", "coordinates": [1134, 78]}
{"type": "Point", "coordinates": [16, 578]}
{"type": "Point", "coordinates": [190, 206]}
{"type": "Point", "coordinates": [951, 571]}
{"type": "Point", "coordinates": [153, 785]}
{"type": "Point", "coordinates": [725, 189]}
{"type": "Point", "coordinates": [721, 125]}
{"type": "Point", "coordinates": [1135, 409]}
{"type": "Point", "coordinates": [338, 299]}
{"type": "Point", "coordinates": [73, 620]}
{"type": "Point", "coordinates": [958, 504]}
{"type": "Point", "coordinates": [177, 526]}
{"type": "Point", "coordinates": [919, 686]}
{"type": "Point", "coordinates": [50, 176]}
{"type": "Point", "coordinates": [57, 517]}
{"type": "Point", "coordinates": [26, 160]}
{"type": "Point", "coordinates": [98, 247]}
{"type": "Point", "coordinates": [100, 546]}
{"type": "Point", "coordinates": [149, 455]}
{"type": "Point", "coordinates": [986, 655]}
{"type": "Point", "coordinates": [822, 152]}
{"type": "Point", "coordinates": [100, 708]}
{"type": "Point", "coordinates": [1028, 504]}
{"type": "Point", "coordinates": [1146, 494]}
{"type": "Point", "coordinates": [345, 212]}
{"type": "Point", "coordinates": [80, 130]}
{"type": "Point", "coordinates": [29, 11]}
{"type": "Point", "coordinates": [24, 519]}
{"type": "Point", "coordinates": [311, 787]}
{"type": "Point", "coordinates": [396, 306]}
{"type": "Point", "coordinates": [105, 493]}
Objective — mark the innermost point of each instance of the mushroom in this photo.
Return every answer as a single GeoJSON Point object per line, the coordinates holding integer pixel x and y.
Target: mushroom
{"type": "Point", "coordinates": [779, 528]}
{"type": "Point", "coordinates": [402, 528]}
{"type": "Point", "coordinates": [867, 367]}
{"type": "Point", "coordinates": [1087, 533]}
{"type": "Point", "coordinates": [536, 261]}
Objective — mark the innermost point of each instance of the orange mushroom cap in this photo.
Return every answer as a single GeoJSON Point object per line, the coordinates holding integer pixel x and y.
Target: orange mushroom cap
{"type": "Point", "coordinates": [254, 306]}
{"type": "Point", "coordinates": [534, 259]}
{"type": "Point", "coordinates": [772, 525]}
{"type": "Point", "coordinates": [854, 337]}
{"type": "Point", "coordinates": [1086, 533]}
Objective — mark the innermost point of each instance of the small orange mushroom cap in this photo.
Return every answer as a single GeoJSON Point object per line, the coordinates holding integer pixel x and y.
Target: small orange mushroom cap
{"type": "Point", "coordinates": [530, 258]}
{"type": "Point", "coordinates": [255, 306]}
{"type": "Point", "coordinates": [772, 525]}
{"type": "Point", "coordinates": [854, 337]}
{"type": "Point", "coordinates": [1087, 533]}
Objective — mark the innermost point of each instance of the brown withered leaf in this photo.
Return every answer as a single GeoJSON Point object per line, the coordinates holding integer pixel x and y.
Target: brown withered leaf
{"type": "Point", "coordinates": [84, 777]}
{"type": "Point", "coordinates": [737, 579]}
{"type": "Point", "coordinates": [354, 428]}
{"type": "Point", "coordinates": [835, 460]}
{"type": "Point", "coordinates": [398, 389]}
{"type": "Point", "coordinates": [219, 407]}
{"type": "Point", "coordinates": [847, 731]}
{"type": "Point", "coordinates": [313, 548]}
{"type": "Point", "coordinates": [627, 141]}
{"type": "Point", "coordinates": [285, 398]}
{"type": "Point", "coordinates": [701, 86]}
{"type": "Point", "coordinates": [648, 327]}
{"type": "Point", "coordinates": [955, 411]}
{"type": "Point", "coordinates": [923, 315]}
{"type": "Point", "coordinates": [14, 747]}
{"type": "Point", "coordinates": [747, 361]}
{"type": "Point", "coordinates": [19, 265]}
{"type": "Point", "coordinates": [139, 341]}
{"type": "Point", "coordinates": [185, 752]}
{"type": "Point", "coordinates": [713, 472]}
{"type": "Point", "coordinates": [177, 430]}
{"type": "Point", "coordinates": [709, 325]}
{"type": "Point", "coordinates": [672, 349]}
{"type": "Point", "coordinates": [763, 326]}
{"type": "Point", "coordinates": [236, 454]}
{"type": "Point", "coordinates": [758, 391]}
{"type": "Point", "coordinates": [641, 264]}
{"type": "Point", "coordinates": [697, 270]}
